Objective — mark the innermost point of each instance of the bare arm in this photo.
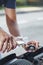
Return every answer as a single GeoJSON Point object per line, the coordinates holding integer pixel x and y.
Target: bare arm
{"type": "Point", "coordinates": [11, 21]}
{"type": "Point", "coordinates": [6, 41]}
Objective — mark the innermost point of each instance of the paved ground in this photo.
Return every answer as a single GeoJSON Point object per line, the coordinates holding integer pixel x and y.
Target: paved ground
{"type": "Point", "coordinates": [28, 9]}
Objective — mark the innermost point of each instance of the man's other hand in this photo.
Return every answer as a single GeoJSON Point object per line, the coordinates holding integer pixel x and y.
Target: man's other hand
{"type": "Point", "coordinates": [31, 43]}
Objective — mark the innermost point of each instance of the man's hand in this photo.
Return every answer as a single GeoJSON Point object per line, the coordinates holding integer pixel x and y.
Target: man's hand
{"type": "Point", "coordinates": [6, 42]}
{"type": "Point", "coordinates": [31, 43]}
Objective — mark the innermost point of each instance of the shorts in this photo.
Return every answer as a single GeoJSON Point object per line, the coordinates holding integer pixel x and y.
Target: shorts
{"type": "Point", "coordinates": [8, 3]}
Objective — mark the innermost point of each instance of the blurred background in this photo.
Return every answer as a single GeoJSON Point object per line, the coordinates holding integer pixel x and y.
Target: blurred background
{"type": "Point", "coordinates": [29, 2]}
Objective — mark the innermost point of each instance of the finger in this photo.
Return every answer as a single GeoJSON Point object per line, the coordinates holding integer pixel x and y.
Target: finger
{"type": "Point", "coordinates": [30, 42]}
{"type": "Point", "coordinates": [4, 46]}
{"type": "Point", "coordinates": [14, 44]}
{"type": "Point", "coordinates": [25, 47]}
{"type": "Point", "coordinates": [1, 45]}
{"type": "Point", "coordinates": [10, 45]}
{"type": "Point", "coordinates": [37, 44]}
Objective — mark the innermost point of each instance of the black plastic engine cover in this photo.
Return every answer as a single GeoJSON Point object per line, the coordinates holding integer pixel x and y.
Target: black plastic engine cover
{"type": "Point", "coordinates": [7, 59]}
{"type": "Point", "coordinates": [30, 56]}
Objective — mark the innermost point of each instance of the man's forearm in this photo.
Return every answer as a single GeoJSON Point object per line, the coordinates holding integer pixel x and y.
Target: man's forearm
{"type": "Point", "coordinates": [11, 21]}
{"type": "Point", "coordinates": [13, 28]}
